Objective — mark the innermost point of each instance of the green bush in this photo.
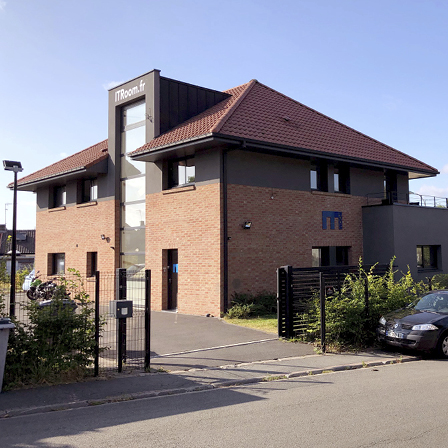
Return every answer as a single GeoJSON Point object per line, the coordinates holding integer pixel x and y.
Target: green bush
{"type": "Point", "coordinates": [56, 342]}
{"type": "Point", "coordinates": [347, 320]}
{"type": "Point", "coordinates": [440, 281]}
{"type": "Point", "coordinates": [261, 304]}
{"type": "Point", "coordinates": [240, 311]}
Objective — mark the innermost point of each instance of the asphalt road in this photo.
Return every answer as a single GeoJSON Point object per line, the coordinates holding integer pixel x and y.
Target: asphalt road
{"type": "Point", "coordinates": [398, 405]}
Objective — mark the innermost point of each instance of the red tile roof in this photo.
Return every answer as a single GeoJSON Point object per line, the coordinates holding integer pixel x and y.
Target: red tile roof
{"type": "Point", "coordinates": [81, 160]}
{"type": "Point", "coordinates": [257, 112]}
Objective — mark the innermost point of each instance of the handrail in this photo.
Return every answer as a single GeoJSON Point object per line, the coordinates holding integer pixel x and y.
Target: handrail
{"type": "Point", "coordinates": [416, 199]}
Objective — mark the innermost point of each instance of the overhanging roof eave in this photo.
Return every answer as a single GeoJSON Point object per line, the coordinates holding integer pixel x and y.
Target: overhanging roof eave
{"type": "Point", "coordinates": [34, 184]}
{"type": "Point", "coordinates": [162, 151]}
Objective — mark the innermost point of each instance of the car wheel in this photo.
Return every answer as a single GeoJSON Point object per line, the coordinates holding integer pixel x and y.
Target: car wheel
{"type": "Point", "coordinates": [442, 346]}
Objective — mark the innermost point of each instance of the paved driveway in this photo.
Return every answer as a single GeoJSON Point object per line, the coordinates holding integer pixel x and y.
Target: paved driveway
{"type": "Point", "coordinates": [180, 342]}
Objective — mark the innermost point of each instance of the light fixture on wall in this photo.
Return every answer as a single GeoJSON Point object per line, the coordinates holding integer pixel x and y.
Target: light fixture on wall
{"type": "Point", "coordinates": [247, 225]}
{"type": "Point", "coordinates": [103, 237]}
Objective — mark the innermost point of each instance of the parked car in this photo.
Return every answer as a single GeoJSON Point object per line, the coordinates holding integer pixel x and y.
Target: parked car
{"type": "Point", "coordinates": [423, 325]}
{"type": "Point", "coordinates": [28, 279]}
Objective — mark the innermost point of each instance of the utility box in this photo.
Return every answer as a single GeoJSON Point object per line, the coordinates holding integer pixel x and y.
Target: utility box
{"type": "Point", "coordinates": [5, 326]}
{"type": "Point", "coordinates": [120, 309]}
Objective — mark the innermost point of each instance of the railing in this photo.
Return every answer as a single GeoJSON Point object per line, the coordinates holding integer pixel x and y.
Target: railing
{"type": "Point", "coordinates": [419, 200]}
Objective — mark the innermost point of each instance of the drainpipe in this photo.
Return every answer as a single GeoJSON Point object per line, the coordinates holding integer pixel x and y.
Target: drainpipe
{"type": "Point", "coordinates": [225, 226]}
{"type": "Point", "coordinates": [225, 229]}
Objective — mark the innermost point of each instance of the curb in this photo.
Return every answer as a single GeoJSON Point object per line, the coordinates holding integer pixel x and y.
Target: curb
{"type": "Point", "coordinates": [199, 388]}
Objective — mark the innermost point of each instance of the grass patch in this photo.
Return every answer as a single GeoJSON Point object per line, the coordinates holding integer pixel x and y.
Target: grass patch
{"type": "Point", "coordinates": [266, 323]}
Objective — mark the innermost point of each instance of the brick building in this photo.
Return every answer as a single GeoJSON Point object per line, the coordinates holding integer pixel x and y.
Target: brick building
{"type": "Point", "coordinates": [213, 191]}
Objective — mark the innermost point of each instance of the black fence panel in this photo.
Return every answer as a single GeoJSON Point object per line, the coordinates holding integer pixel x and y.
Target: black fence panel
{"type": "Point", "coordinates": [296, 288]}
{"type": "Point", "coordinates": [98, 292]}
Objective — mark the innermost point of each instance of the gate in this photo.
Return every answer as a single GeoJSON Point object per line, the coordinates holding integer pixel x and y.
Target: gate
{"type": "Point", "coordinates": [296, 288]}
{"type": "Point", "coordinates": [123, 319]}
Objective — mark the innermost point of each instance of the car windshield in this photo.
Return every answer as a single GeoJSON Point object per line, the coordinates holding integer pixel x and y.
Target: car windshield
{"type": "Point", "coordinates": [434, 302]}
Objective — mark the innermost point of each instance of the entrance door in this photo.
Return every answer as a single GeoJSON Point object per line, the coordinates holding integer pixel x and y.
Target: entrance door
{"type": "Point", "coordinates": [173, 270]}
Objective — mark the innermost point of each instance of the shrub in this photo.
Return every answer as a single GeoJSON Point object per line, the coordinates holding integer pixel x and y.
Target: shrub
{"type": "Point", "coordinates": [347, 321]}
{"type": "Point", "coordinates": [56, 342]}
{"type": "Point", "coordinates": [240, 311]}
{"type": "Point", "coordinates": [247, 304]}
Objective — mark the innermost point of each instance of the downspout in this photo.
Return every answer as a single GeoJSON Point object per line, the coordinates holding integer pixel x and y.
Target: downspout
{"type": "Point", "coordinates": [225, 226]}
{"type": "Point", "coordinates": [225, 230]}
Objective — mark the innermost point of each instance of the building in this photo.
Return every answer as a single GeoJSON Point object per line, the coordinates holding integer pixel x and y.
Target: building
{"type": "Point", "coordinates": [25, 247]}
{"type": "Point", "coordinates": [213, 191]}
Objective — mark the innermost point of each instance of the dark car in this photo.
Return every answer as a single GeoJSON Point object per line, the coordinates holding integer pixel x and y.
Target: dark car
{"type": "Point", "coordinates": [423, 325]}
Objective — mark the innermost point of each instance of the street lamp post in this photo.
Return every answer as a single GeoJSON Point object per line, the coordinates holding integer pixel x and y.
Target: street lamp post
{"type": "Point", "coordinates": [16, 167]}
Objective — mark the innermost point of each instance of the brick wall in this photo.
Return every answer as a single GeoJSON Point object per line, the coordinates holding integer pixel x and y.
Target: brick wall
{"type": "Point", "coordinates": [186, 219]}
{"type": "Point", "coordinates": [284, 230]}
{"type": "Point", "coordinates": [76, 230]}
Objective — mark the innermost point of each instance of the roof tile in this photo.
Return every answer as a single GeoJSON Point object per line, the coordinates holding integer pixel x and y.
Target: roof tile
{"type": "Point", "coordinates": [83, 159]}
{"type": "Point", "coordinates": [257, 112]}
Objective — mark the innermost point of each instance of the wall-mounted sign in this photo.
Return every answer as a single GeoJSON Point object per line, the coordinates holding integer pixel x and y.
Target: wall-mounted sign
{"type": "Point", "coordinates": [332, 216]}
{"type": "Point", "coordinates": [123, 94]}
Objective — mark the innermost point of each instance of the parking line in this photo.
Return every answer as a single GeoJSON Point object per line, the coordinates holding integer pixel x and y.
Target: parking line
{"type": "Point", "coordinates": [213, 348]}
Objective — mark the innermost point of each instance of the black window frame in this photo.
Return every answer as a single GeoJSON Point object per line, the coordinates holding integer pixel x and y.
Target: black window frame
{"type": "Point", "coordinates": [85, 189]}
{"type": "Point", "coordinates": [321, 170]}
{"type": "Point", "coordinates": [173, 171]}
{"type": "Point", "coordinates": [92, 264]}
{"type": "Point", "coordinates": [53, 263]}
{"type": "Point", "coordinates": [339, 255]}
{"type": "Point", "coordinates": [428, 259]}
{"type": "Point", "coordinates": [343, 173]}
{"type": "Point", "coordinates": [58, 196]}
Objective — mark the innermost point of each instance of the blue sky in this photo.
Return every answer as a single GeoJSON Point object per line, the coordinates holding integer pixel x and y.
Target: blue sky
{"type": "Point", "coordinates": [379, 66]}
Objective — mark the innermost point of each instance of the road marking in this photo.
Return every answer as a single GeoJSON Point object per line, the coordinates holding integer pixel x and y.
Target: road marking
{"type": "Point", "coordinates": [213, 348]}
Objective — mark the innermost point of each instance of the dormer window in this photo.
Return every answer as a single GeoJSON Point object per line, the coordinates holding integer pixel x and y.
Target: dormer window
{"type": "Point", "coordinates": [181, 172]}
{"type": "Point", "coordinates": [59, 198]}
{"type": "Point", "coordinates": [89, 190]}
{"type": "Point", "coordinates": [319, 176]}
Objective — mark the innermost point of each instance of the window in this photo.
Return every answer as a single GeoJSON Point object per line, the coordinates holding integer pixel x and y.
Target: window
{"type": "Point", "coordinates": [89, 190]}
{"type": "Point", "coordinates": [181, 172]}
{"type": "Point", "coordinates": [341, 179]}
{"type": "Point", "coordinates": [319, 176]}
{"type": "Point", "coordinates": [56, 264]}
{"type": "Point", "coordinates": [133, 185]}
{"type": "Point", "coordinates": [59, 196]}
{"type": "Point", "coordinates": [427, 257]}
{"type": "Point", "coordinates": [330, 256]}
{"type": "Point", "coordinates": [321, 256]}
{"type": "Point", "coordinates": [92, 263]}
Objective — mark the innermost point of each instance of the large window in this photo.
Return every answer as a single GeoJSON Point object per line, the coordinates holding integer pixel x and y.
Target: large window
{"type": "Point", "coordinates": [427, 257]}
{"type": "Point", "coordinates": [181, 172]}
{"type": "Point", "coordinates": [59, 197]}
{"type": "Point", "coordinates": [132, 235]}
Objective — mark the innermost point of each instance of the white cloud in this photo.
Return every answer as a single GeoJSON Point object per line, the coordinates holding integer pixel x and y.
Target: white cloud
{"type": "Point", "coordinates": [2, 5]}
{"type": "Point", "coordinates": [444, 170]}
{"type": "Point", "coordinates": [112, 84]}
{"type": "Point", "coordinates": [431, 190]}
{"type": "Point", "coordinates": [63, 155]}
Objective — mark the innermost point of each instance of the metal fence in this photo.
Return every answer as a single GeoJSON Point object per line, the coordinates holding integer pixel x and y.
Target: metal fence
{"type": "Point", "coordinates": [420, 200]}
{"type": "Point", "coordinates": [122, 338]}
{"type": "Point", "coordinates": [297, 288]}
